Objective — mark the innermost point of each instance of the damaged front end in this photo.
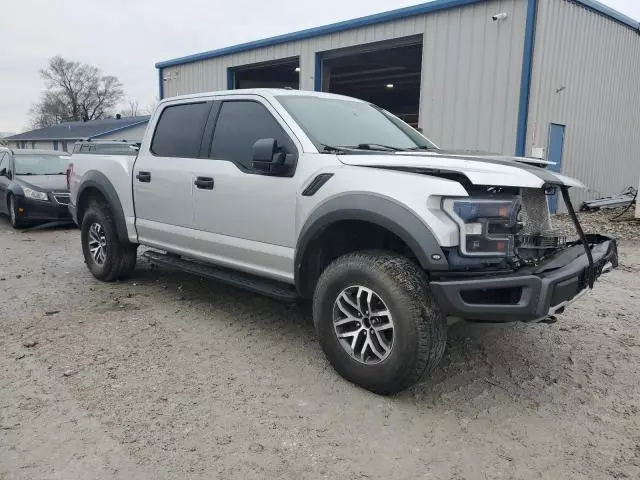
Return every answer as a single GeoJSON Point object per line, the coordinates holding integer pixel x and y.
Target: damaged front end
{"type": "Point", "coordinates": [503, 229]}
{"type": "Point", "coordinates": [511, 265]}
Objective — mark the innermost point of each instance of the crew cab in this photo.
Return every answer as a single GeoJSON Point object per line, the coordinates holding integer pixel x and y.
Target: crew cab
{"type": "Point", "coordinates": [304, 195]}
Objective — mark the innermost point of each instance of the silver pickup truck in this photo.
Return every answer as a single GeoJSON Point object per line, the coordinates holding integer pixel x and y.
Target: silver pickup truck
{"type": "Point", "coordinates": [310, 195]}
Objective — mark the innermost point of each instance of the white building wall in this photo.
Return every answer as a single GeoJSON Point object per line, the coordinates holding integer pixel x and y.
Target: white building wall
{"type": "Point", "coordinates": [471, 70]}
{"type": "Point", "coordinates": [47, 145]}
{"type": "Point", "coordinates": [586, 75]}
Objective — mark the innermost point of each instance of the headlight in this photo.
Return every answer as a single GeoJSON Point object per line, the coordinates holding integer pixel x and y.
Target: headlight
{"type": "Point", "coordinates": [487, 226]}
{"type": "Point", "coordinates": [35, 194]}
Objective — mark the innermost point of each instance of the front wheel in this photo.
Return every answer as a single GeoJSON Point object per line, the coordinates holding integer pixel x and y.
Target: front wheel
{"type": "Point", "coordinates": [377, 322]}
{"type": "Point", "coordinates": [14, 218]}
{"type": "Point", "coordinates": [105, 255]}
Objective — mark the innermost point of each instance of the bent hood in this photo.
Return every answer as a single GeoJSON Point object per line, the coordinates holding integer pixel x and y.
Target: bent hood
{"type": "Point", "coordinates": [46, 183]}
{"type": "Point", "coordinates": [480, 169]}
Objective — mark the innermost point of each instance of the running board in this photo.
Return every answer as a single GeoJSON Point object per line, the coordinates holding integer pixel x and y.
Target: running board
{"type": "Point", "coordinates": [271, 288]}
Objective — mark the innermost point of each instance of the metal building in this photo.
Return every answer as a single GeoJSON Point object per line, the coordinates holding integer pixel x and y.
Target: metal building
{"type": "Point", "coordinates": [554, 79]}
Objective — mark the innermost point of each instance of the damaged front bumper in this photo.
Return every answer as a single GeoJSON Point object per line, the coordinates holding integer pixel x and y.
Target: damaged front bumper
{"type": "Point", "coordinates": [531, 294]}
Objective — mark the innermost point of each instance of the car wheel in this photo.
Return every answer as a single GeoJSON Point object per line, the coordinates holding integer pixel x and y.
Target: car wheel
{"type": "Point", "coordinates": [377, 321]}
{"type": "Point", "coordinates": [14, 218]}
{"type": "Point", "coordinates": [105, 255]}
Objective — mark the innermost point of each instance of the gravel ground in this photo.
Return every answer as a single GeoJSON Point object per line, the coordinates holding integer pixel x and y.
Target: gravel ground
{"type": "Point", "coordinates": [167, 376]}
{"type": "Point", "coordinates": [625, 227]}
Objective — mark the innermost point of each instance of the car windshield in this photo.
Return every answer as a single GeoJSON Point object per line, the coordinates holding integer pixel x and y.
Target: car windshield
{"type": "Point", "coordinates": [335, 123]}
{"type": "Point", "coordinates": [40, 164]}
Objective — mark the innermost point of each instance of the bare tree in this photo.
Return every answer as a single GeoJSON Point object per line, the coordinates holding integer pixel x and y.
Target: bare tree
{"type": "Point", "coordinates": [151, 107]}
{"type": "Point", "coordinates": [132, 109]}
{"type": "Point", "coordinates": [75, 91]}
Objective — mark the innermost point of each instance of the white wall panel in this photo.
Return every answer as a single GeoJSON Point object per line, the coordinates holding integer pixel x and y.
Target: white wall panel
{"type": "Point", "coordinates": [586, 73]}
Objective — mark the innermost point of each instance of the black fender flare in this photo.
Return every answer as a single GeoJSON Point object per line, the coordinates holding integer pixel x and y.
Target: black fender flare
{"type": "Point", "coordinates": [98, 181]}
{"type": "Point", "coordinates": [378, 210]}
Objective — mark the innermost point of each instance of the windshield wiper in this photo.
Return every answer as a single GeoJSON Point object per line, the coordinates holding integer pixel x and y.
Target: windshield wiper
{"type": "Point", "coordinates": [27, 173]}
{"type": "Point", "coordinates": [358, 148]}
{"type": "Point", "coordinates": [329, 148]}
{"type": "Point", "coordinates": [339, 149]}
{"type": "Point", "coordinates": [378, 146]}
{"type": "Point", "coordinates": [423, 147]}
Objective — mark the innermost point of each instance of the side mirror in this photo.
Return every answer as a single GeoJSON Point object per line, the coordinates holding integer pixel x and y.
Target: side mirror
{"type": "Point", "coordinates": [3, 172]}
{"type": "Point", "coordinates": [268, 157]}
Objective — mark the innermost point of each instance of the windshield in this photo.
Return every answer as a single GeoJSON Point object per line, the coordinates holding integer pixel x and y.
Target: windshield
{"type": "Point", "coordinates": [40, 164]}
{"type": "Point", "coordinates": [336, 123]}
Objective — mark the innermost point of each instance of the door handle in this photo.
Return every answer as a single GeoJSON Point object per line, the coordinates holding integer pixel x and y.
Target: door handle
{"type": "Point", "coordinates": [204, 183]}
{"type": "Point", "coordinates": [144, 177]}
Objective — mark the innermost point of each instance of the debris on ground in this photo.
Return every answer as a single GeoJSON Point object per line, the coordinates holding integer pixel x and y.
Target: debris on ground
{"type": "Point", "coordinates": [622, 199]}
{"type": "Point", "coordinates": [29, 343]}
{"type": "Point", "coordinates": [602, 221]}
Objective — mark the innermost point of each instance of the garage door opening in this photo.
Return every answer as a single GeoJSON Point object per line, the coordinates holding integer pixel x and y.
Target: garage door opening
{"type": "Point", "coordinates": [280, 74]}
{"type": "Point", "coordinates": [387, 74]}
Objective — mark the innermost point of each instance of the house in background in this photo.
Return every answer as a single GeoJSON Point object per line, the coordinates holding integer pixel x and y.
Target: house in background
{"type": "Point", "coordinates": [63, 136]}
{"type": "Point", "coordinates": [4, 135]}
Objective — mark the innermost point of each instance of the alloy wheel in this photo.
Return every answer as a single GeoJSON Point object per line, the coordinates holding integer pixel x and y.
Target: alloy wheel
{"type": "Point", "coordinates": [97, 243]}
{"type": "Point", "coordinates": [363, 324]}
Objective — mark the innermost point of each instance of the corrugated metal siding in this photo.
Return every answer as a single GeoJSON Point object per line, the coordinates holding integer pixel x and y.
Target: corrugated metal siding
{"type": "Point", "coordinates": [470, 79]}
{"type": "Point", "coordinates": [586, 75]}
{"type": "Point", "coordinates": [471, 76]}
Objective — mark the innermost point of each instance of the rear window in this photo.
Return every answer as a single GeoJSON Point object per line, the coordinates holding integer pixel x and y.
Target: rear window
{"type": "Point", "coordinates": [179, 130]}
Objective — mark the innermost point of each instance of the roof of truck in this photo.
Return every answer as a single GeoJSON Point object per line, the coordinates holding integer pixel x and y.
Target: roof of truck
{"type": "Point", "coordinates": [264, 92]}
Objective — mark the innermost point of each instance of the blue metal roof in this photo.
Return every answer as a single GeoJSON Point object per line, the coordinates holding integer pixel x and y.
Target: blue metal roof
{"type": "Point", "coordinates": [400, 13]}
{"type": "Point", "coordinates": [609, 12]}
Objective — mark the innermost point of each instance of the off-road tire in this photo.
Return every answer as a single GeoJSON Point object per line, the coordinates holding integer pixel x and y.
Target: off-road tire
{"type": "Point", "coordinates": [128, 261]}
{"type": "Point", "coordinates": [120, 257]}
{"type": "Point", "coordinates": [419, 326]}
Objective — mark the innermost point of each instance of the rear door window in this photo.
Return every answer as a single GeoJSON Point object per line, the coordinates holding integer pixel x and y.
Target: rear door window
{"type": "Point", "coordinates": [179, 130]}
{"type": "Point", "coordinates": [240, 123]}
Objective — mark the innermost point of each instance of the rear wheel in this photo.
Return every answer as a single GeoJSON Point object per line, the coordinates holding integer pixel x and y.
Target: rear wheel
{"type": "Point", "coordinates": [105, 255]}
{"type": "Point", "coordinates": [14, 216]}
{"type": "Point", "coordinates": [377, 322]}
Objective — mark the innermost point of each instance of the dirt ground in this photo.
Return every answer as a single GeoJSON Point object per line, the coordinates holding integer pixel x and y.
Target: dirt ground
{"type": "Point", "coordinates": [167, 376]}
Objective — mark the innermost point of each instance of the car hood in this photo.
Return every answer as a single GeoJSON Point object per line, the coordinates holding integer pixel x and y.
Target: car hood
{"type": "Point", "coordinates": [480, 169]}
{"type": "Point", "coordinates": [45, 183]}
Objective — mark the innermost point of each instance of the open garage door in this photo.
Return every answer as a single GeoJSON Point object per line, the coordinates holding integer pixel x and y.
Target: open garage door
{"type": "Point", "coordinates": [387, 74]}
{"type": "Point", "coordinates": [278, 74]}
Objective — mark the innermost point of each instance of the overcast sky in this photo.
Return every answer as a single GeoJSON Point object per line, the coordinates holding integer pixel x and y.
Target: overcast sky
{"type": "Point", "coordinates": [126, 38]}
